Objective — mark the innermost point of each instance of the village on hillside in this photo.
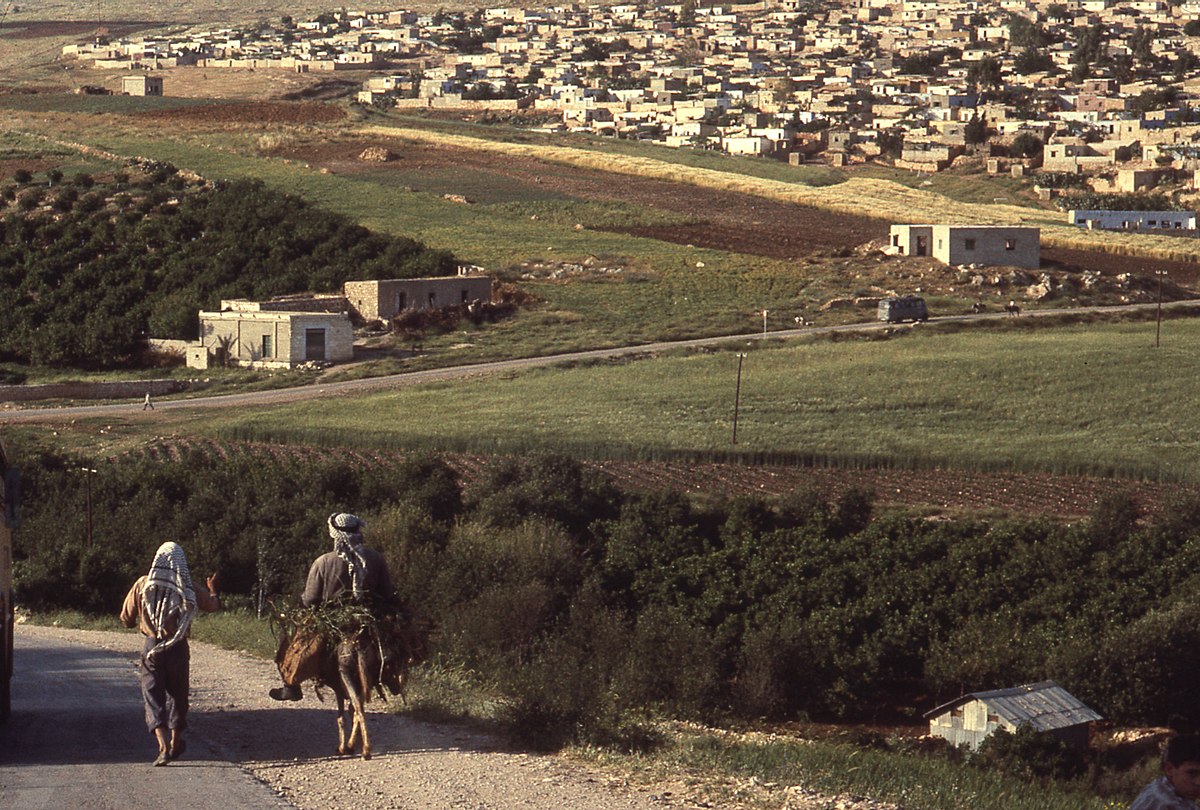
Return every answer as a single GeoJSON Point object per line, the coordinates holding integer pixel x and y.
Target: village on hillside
{"type": "Point", "coordinates": [1098, 94]}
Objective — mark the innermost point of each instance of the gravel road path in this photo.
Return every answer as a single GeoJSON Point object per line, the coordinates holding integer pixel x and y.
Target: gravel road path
{"type": "Point", "coordinates": [246, 750]}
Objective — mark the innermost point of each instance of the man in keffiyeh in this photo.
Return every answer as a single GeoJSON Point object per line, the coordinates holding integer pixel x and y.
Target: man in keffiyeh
{"type": "Point", "coordinates": [162, 605]}
{"type": "Point", "coordinates": [351, 570]}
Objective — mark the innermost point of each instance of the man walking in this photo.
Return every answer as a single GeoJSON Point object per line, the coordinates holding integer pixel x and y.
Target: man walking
{"type": "Point", "coordinates": [162, 605]}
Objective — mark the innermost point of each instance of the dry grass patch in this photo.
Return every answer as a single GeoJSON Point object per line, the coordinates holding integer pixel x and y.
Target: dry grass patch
{"type": "Point", "coordinates": [884, 199]}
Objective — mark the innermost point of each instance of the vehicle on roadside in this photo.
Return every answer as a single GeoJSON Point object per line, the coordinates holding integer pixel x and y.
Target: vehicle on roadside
{"type": "Point", "coordinates": [903, 308]}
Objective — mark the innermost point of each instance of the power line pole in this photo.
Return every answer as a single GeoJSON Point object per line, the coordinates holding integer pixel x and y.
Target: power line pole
{"type": "Point", "coordinates": [737, 394]}
{"type": "Point", "coordinates": [1158, 324]}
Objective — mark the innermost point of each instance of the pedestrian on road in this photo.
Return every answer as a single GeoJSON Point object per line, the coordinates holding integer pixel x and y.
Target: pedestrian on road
{"type": "Point", "coordinates": [147, 405]}
{"type": "Point", "coordinates": [162, 605]}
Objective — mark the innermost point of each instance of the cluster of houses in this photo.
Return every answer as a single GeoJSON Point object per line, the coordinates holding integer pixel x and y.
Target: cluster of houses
{"type": "Point", "coordinates": [776, 78]}
{"type": "Point", "coordinates": [292, 331]}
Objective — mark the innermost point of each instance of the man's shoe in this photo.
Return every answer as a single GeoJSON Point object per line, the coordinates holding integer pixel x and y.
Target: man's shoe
{"type": "Point", "coordinates": [285, 693]}
{"type": "Point", "coordinates": [163, 758]}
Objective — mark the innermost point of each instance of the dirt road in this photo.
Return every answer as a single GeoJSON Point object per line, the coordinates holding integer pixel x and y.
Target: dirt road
{"type": "Point", "coordinates": [33, 413]}
{"type": "Point", "coordinates": [76, 739]}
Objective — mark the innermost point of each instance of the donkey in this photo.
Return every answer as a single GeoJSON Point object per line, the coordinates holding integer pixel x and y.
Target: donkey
{"type": "Point", "coordinates": [1013, 308]}
{"type": "Point", "coordinates": [351, 668]}
{"type": "Point", "coordinates": [365, 661]}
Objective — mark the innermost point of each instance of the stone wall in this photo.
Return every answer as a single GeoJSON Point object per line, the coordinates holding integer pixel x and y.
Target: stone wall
{"type": "Point", "coordinates": [132, 389]}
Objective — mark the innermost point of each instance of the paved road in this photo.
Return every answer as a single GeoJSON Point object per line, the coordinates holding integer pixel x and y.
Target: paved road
{"type": "Point", "coordinates": [76, 739]}
{"type": "Point", "coordinates": [134, 410]}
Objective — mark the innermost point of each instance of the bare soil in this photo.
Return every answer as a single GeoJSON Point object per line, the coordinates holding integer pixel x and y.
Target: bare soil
{"type": "Point", "coordinates": [39, 29]}
{"type": "Point", "coordinates": [261, 113]}
{"type": "Point", "coordinates": [721, 220]}
{"type": "Point", "coordinates": [937, 493]}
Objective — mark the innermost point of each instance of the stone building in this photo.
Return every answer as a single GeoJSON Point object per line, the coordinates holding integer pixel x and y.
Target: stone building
{"type": "Point", "coordinates": [1002, 245]}
{"type": "Point", "coordinates": [142, 85]}
{"type": "Point", "coordinates": [384, 299]}
{"type": "Point", "coordinates": [255, 334]}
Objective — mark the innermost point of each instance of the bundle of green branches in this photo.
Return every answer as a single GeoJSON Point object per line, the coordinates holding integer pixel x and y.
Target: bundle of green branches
{"type": "Point", "coordinates": [335, 621]}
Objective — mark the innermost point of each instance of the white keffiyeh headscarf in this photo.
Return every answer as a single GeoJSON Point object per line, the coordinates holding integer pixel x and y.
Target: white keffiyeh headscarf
{"type": "Point", "coordinates": [346, 531]}
{"type": "Point", "coordinates": [168, 596]}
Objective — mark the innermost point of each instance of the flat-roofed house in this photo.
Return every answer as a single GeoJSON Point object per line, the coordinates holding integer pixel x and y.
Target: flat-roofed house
{"type": "Point", "coordinates": [1003, 245]}
{"type": "Point", "coordinates": [142, 85]}
{"type": "Point", "coordinates": [259, 334]}
{"type": "Point", "coordinates": [1133, 220]}
{"type": "Point", "coordinates": [385, 299]}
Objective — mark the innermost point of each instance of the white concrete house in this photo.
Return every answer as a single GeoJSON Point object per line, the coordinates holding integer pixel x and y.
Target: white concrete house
{"type": "Point", "coordinates": [256, 334]}
{"type": "Point", "coordinates": [1133, 220]}
{"type": "Point", "coordinates": [1003, 245]}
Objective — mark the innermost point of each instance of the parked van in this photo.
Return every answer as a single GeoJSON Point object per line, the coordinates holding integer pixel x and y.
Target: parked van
{"type": "Point", "coordinates": [904, 308]}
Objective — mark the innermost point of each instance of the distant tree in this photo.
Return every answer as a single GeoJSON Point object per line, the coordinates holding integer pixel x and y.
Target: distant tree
{"type": "Point", "coordinates": [925, 64]}
{"type": "Point", "coordinates": [1026, 144]}
{"type": "Point", "coordinates": [1183, 65]}
{"type": "Point", "coordinates": [687, 12]}
{"type": "Point", "coordinates": [54, 176]}
{"type": "Point", "coordinates": [1141, 44]}
{"type": "Point", "coordinates": [65, 199]}
{"type": "Point", "coordinates": [1033, 60]}
{"type": "Point", "coordinates": [1089, 45]}
{"type": "Point", "coordinates": [1024, 33]}
{"type": "Point", "coordinates": [1058, 11]}
{"type": "Point", "coordinates": [1121, 66]}
{"type": "Point", "coordinates": [977, 130]}
{"type": "Point", "coordinates": [22, 175]}
{"type": "Point", "coordinates": [985, 73]}
{"type": "Point", "coordinates": [1192, 28]}
{"type": "Point", "coordinates": [782, 89]}
{"type": "Point", "coordinates": [593, 50]}
{"type": "Point", "coordinates": [1148, 100]}
{"type": "Point", "coordinates": [890, 142]}
{"type": "Point", "coordinates": [689, 52]}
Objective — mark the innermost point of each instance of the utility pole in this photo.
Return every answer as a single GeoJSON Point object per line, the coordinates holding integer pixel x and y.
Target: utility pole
{"type": "Point", "coordinates": [1158, 324]}
{"type": "Point", "coordinates": [737, 394]}
{"type": "Point", "coordinates": [88, 473]}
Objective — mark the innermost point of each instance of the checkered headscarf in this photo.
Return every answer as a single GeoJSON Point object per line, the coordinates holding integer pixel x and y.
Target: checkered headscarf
{"type": "Point", "coordinates": [346, 531]}
{"type": "Point", "coordinates": [168, 596]}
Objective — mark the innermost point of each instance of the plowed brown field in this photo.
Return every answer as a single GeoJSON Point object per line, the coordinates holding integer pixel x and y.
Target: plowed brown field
{"type": "Point", "coordinates": [950, 493]}
{"type": "Point", "coordinates": [740, 223]}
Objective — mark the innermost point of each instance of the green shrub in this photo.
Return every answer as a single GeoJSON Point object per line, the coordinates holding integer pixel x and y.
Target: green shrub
{"type": "Point", "coordinates": [566, 693]}
{"type": "Point", "coordinates": [1030, 754]}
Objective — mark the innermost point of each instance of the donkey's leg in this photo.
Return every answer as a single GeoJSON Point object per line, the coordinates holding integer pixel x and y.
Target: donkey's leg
{"type": "Point", "coordinates": [342, 748]}
{"type": "Point", "coordinates": [356, 710]}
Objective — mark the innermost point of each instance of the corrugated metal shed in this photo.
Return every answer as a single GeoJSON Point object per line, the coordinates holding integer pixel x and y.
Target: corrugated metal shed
{"type": "Point", "coordinates": [1044, 706]}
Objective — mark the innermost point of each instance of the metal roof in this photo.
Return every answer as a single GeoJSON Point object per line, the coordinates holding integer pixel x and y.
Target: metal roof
{"type": "Point", "coordinates": [1044, 706]}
